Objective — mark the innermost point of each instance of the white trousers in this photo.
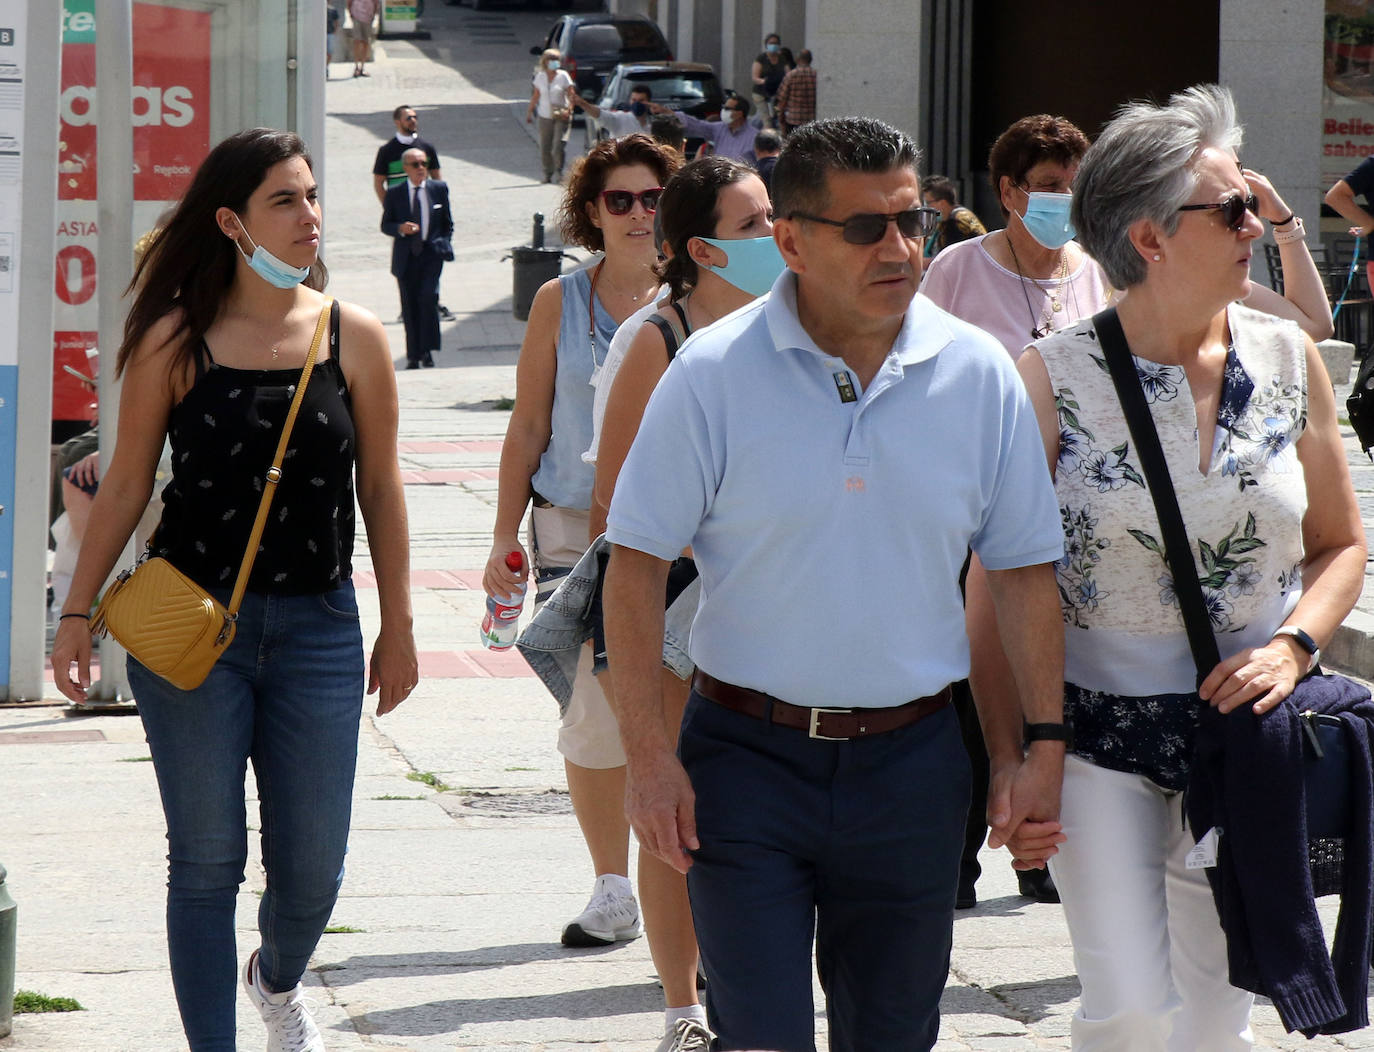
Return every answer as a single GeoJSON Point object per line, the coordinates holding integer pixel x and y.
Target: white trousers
{"type": "Point", "coordinates": [1149, 949]}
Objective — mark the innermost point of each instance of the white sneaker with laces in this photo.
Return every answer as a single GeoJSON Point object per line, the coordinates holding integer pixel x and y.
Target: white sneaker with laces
{"type": "Point", "coordinates": [687, 1035]}
{"type": "Point", "coordinates": [611, 916]}
{"type": "Point", "coordinates": [289, 1026]}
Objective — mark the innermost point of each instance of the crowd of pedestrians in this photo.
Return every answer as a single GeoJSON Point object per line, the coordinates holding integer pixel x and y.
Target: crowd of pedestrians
{"type": "Point", "coordinates": [747, 401]}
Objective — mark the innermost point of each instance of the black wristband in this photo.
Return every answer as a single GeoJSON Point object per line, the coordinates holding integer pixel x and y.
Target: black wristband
{"type": "Point", "coordinates": [1049, 732]}
{"type": "Point", "coordinates": [1286, 219]}
{"type": "Point", "coordinates": [84, 617]}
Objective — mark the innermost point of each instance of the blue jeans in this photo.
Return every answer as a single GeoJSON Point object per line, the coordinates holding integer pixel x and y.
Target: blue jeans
{"type": "Point", "coordinates": [852, 846]}
{"type": "Point", "coordinates": [287, 694]}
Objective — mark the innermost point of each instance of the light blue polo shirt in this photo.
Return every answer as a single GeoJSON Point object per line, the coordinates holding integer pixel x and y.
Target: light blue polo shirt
{"type": "Point", "coordinates": [829, 533]}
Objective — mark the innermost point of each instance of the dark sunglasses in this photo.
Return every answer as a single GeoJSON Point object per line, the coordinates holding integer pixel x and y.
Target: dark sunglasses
{"type": "Point", "coordinates": [868, 228]}
{"type": "Point", "coordinates": [417, 164]}
{"type": "Point", "coordinates": [619, 202]}
{"type": "Point", "coordinates": [1232, 209]}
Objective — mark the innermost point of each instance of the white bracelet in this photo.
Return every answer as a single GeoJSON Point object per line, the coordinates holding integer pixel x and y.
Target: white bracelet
{"type": "Point", "coordinates": [1296, 233]}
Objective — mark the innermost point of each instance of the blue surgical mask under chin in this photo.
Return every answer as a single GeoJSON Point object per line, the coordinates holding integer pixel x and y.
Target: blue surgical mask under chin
{"type": "Point", "coordinates": [1047, 219]}
{"type": "Point", "coordinates": [268, 267]}
{"type": "Point", "coordinates": [752, 263]}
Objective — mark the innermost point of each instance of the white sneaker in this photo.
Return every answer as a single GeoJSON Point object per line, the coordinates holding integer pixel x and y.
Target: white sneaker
{"type": "Point", "coordinates": [289, 1026]}
{"type": "Point", "coordinates": [611, 916]}
{"type": "Point", "coordinates": [687, 1035]}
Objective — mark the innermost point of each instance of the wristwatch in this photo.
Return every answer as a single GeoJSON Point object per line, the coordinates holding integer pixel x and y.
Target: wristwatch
{"type": "Point", "coordinates": [1049, 732]}
{"type": "Point", "coordinates": [1303, 640]}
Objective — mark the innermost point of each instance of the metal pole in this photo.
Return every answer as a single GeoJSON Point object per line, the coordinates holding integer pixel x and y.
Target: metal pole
{"type": "Point", "coordinates": [114, 75]}
{"type": "Point", "coordinates": [33, 411]}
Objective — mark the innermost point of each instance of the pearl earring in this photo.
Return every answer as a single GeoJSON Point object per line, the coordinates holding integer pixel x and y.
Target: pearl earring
{"type": "Point", "coordinates": [1156, 257]}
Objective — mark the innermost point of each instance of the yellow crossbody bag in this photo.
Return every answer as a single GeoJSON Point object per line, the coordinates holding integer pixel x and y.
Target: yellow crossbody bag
{"type": "Point", "coordinates": [170, 624]}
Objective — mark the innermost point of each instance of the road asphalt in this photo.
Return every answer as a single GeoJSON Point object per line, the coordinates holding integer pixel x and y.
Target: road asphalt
{"type": "Point", "coordinates": [465, 859]}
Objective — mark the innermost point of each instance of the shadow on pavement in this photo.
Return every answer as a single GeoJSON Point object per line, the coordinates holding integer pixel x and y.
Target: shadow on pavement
{"type": "Point", "coordinates": [443, 1017]}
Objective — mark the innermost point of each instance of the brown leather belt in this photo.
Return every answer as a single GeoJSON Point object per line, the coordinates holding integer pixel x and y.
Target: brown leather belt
{"type": "Point", "coordinates": [825, 724]}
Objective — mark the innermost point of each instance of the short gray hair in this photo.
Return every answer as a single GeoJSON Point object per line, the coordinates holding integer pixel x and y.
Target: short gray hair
{"type": "Point", "coordinates": [1144, 166]}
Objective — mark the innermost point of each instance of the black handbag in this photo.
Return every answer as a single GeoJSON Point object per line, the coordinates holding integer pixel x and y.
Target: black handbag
{"type": "Point", "coordinates": [1360, 404]}
{"type": "Point", "coordinates": [1326, 754]}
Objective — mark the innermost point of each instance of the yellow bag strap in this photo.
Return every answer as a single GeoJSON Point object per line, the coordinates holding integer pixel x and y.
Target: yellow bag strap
{"type": "Point", "coordinates": [269, 489]}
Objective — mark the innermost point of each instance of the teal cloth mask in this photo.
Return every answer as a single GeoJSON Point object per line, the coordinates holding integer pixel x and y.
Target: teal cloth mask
{"type": "Point", "coordinates": [753, 263]}
{"type": "Point", "coordinates": [268, 267]}
{"type": "Point", "coordinates": [1047, 218]}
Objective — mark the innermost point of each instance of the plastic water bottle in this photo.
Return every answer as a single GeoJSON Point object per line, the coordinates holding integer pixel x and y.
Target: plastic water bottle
{"type": "Point", "coordinates": [499, 624]}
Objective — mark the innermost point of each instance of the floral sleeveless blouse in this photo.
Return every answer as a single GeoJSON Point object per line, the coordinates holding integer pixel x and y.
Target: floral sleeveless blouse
{"type": "Point", "coordinates": [1130, 674]}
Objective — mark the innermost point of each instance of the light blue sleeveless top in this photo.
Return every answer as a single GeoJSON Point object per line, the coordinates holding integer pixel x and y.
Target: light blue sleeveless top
{"type": "Point", "coordinates": [563, 478]}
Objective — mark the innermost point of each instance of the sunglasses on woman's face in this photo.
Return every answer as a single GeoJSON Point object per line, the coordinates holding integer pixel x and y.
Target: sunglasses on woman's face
{"type": "Point", "coordinates": [619, 202]}
{"type": "Point", "coordinates": [868, 228]}
{"type": "Point", "coordinates": [1232, 209]}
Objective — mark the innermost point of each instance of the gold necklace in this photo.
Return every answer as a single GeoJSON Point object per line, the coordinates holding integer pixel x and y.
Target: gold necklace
{"type": "Point", "coordinates": [1054, 303]}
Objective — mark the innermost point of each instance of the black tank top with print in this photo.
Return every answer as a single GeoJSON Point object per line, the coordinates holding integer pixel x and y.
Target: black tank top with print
{"type": "Point", "coordinates": [224, 433]}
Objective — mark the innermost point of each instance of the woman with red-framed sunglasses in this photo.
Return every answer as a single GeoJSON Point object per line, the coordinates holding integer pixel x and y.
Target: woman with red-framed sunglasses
{"type": "Point", "coordinates": [609, 208]}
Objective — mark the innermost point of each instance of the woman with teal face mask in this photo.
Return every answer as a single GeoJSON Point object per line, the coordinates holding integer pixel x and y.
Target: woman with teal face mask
{"type": "Point", "coordinates": [717, 231]}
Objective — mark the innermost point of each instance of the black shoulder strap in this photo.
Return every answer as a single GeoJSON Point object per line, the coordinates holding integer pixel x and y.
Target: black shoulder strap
{"type": "Point", "coordinates": [682, 317]}
{"type": "Point", "coordinates": [334, 331]}
{"type": "Point", "coordinates": [665, 327]}
{"type": "Point", "coordinates": [1177, 551]}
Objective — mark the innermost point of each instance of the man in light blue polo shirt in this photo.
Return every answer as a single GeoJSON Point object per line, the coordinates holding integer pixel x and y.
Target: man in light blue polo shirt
{"type": "Point", "coordinates": [830, 453]}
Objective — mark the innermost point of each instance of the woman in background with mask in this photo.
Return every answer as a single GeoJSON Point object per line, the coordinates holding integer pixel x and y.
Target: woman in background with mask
{"type": "Point", "coordinates": [226, 305]}
{"type": "Point", "coordinates": [1018, 284]}
{"type": "Point", "coordinates": [549, 101]}
{"type": "Point", "coordinates": [1031, 278]}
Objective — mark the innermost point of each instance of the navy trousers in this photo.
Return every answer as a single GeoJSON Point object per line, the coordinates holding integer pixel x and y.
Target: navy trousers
{"type": "Point", "coordinates": [852, 846]}
{"type": "Point", "coordinates": [419, 287]}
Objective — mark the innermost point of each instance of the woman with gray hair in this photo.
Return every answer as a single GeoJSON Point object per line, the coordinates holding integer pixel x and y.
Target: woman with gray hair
{"type": "Point", "coordinates": [1247, 421]}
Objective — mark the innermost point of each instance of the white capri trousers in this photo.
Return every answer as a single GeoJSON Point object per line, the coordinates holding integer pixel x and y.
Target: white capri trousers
{"type": "Point", "coordinates": [588, 735]}
{"type": "Point", "coordinates": [1148, 945]}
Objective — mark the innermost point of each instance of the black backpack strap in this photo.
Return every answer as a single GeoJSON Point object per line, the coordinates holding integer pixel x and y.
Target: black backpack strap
{"type": "Point", "coordinates": [1174, 534]}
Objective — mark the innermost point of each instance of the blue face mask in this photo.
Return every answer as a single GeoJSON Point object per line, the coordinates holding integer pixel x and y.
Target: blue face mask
{"type": "Point", "coordinates": [639, 108]}
{"type": "Point", "coordinates": [1047, 219]}
{"type": "Point", "coordinates": [752, 264]}
{"type": "Point", "coordinates": [773, 49]}
{"type": "Point", "coordinates": [268, 267]}
{"type": "Point", "coordinates": [554, 64]}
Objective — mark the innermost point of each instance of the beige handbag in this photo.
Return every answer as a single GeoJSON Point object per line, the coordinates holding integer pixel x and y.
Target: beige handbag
{"type": "Point", "coordinates": [170, 624]}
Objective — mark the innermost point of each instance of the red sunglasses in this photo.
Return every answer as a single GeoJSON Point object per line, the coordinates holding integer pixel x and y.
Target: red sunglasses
{"type": "Point", "coordinates": [619, 202]}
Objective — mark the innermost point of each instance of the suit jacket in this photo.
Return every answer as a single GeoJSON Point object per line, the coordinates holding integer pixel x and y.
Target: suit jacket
{"type": "Point", "coordinates": [396, 210]}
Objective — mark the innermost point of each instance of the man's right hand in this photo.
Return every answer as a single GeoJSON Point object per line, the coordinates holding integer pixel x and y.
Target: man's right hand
{"type": "Point", "coordinates": [661, 807]}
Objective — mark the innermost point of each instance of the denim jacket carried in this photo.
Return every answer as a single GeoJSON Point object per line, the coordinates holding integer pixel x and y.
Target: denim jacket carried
{"type": "Point", "coordinates": [564, 622]}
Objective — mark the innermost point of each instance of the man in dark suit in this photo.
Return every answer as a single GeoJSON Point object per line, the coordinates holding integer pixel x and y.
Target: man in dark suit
{"type": "Point", "coordinates": [415, 213]}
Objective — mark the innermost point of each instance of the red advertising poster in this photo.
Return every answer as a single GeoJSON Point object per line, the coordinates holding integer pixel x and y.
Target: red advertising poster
{"type": "Point", "coordinates": [171, 134]}
{"type": "Point", "coordinates": [1348, 88]}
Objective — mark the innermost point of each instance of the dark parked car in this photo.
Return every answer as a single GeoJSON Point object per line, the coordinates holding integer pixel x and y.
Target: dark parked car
{"type": "Point", "coordinates": [592, 46]}
{"type": "Point", "coordinates": [691, 87]}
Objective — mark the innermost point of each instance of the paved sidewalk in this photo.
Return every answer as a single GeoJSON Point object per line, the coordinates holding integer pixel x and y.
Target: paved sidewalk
{"type": "Point", "coordinates": [465, 859]}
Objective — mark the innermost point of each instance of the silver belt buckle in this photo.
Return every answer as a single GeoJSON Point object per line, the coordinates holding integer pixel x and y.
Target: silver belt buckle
{"type": "Point", "coordinates": [816, 714]}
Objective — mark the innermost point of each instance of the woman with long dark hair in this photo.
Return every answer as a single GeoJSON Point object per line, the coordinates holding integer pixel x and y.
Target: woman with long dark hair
{"type": "Point", "coordinates": [226, 303]}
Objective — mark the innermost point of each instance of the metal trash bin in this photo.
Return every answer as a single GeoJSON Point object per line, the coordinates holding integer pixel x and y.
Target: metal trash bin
{"type": "Point", "coordinates": [534, 264]}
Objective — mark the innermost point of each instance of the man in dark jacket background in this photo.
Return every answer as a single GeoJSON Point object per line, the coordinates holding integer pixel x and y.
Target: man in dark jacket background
{"type": "Point", "coordinates": [416, 214]}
